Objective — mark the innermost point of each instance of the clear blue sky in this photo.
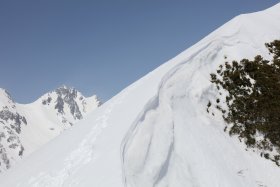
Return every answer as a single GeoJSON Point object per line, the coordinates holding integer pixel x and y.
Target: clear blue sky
{"type": "Point", "coordinates": [100, 46]}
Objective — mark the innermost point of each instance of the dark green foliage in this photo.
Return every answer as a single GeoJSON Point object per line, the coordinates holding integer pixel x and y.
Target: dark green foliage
{"type": "Point", "coordinates": [254, 99]}
{"type": "Point", "coordinates": [266, 155]}
{"type": "Point", "coordinates": [208, 106]}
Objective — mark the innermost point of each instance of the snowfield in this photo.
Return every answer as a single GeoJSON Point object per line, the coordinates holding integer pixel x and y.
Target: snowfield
{"type": "Point", "coordinates": [157, 132]}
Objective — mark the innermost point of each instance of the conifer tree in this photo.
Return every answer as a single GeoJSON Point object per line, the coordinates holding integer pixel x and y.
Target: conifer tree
{"type": "Point", "coordinates": [253, 99]}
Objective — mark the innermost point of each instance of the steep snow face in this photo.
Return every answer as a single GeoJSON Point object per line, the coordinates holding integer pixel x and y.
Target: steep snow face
{"type": "Point", "coordinates": [157, 132]}
{"type": "Point", "coordinates": [175, 142]}
{"type": "Point", "coordinates": [24, 128]}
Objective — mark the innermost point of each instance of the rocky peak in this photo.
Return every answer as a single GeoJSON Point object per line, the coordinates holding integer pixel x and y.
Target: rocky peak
{"type": "Point", "coordinates": [68, 103]}
{"type": "Point", "coordinates": [68, 96]}
{"type": "Point", "coordinates": [55, 112]}
{"type": "Point", "coordinates": [6, 101]}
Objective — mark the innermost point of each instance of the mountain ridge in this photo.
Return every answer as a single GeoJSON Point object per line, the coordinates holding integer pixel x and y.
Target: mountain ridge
{"type": "Point", "coordinates": [26, 127]}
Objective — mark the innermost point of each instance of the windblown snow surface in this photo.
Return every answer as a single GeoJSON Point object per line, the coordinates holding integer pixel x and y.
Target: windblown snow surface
{"type": "Point", "coordinates": [157, 132]}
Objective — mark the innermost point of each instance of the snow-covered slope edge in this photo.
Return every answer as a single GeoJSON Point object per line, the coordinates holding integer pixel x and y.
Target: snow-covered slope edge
{"type": "Point", "coordinates": [175, 142]}
{"type": "Point", "coordinates": [94, 152]}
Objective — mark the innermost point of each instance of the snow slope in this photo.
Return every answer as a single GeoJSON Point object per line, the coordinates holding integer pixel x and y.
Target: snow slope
{"type": "Point", "coordinates": [26, 127]}
{"type": "Point", "coordinates": [157, 132]}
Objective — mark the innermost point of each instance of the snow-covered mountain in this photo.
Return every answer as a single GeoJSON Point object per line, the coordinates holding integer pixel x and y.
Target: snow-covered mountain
{"type": "Point", "coordinates": [11, 124]}
{"type": "Point", "coordinates": [26, 127]}
{"type": "Point", "coordinates": [156, 132]}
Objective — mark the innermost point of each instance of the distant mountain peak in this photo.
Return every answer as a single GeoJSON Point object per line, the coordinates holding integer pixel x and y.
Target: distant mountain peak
{"type": "Point", "coordinates": [6, 101]}
{"type": "Point", "coordinates": [25, 127]}
{"type": "Point", "coordinates": [65, 87]}
{"type": "Point", "coordinates": [68, 101]}
{"type": "Point", "coordinates": [5, 93]}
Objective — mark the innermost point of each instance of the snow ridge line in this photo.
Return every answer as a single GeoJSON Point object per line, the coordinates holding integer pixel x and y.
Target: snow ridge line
{"type": "Point", "coordinates": [153, 104]}
{"type": "Point", "coordinates": [183, 58]}
{"type": "Point", "coordinates": [218, 43]}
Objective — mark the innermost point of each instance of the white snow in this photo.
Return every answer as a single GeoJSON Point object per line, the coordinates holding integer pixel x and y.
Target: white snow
{"type": "Point", "coordinates": [157, 132]}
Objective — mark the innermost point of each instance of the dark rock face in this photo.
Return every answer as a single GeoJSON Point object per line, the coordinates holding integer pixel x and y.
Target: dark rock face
{"type": "Point", "coordinates": [65, 100]}
{"type": "Point", "coordinates": [68, 96]}
{"type": "Point", "coordinates": [16, 120]}
{"type": "Point", "coordinates": [4, 158]}
{"type": "Point", "coordinates": [47, 101]}
{"type": "Point", "coordinates": [59, 105]}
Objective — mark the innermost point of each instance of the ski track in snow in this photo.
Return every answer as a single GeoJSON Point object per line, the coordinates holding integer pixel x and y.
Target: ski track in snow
{"type": "Point", "coordinates": [78, 158]}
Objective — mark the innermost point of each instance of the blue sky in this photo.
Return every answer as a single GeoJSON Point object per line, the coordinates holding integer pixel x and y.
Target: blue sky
{"type": "Point", "coordinates": [100, 47]}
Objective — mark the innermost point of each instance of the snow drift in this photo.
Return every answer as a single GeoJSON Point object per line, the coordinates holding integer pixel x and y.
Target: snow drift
{"type": "Point", "coordinates": [157, 132]}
